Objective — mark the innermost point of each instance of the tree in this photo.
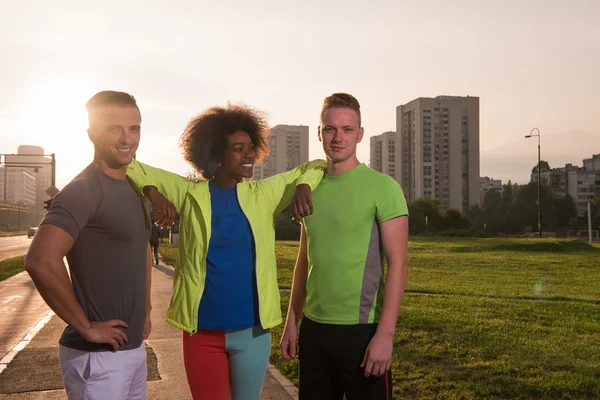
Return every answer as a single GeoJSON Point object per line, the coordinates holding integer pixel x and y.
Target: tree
{"type": "Point", "coordinates": [418, 210]}
{"type": "Point", "coordinates": [474, 213]}
{"type": "Point", "coordinates": [491, 215]}
{"type": "Point", "coordinates": [544, 167]}
{"type": "Point", "coordinates": [512, 221]}
{"type": "Point", "coordinates": [549, 214]}
{"type": "Point", "coordinates": [454, 219]}
{"type": "Point", "coordinates": [525, 206]}
{"type": "Point", "coordinates": [596, 210]}
{"type": "Point", "coordinates": [491, 201]}
{"type": "Point", "coordinates": [285, 227]}
{"type": "Point", "coordinates": [507, 193]}
{"type": "Point", "coordinates": [565, 211]}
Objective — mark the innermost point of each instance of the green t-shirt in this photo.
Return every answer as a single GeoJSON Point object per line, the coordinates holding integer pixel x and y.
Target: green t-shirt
{"type": "Point", "coordinates": [345, 257]}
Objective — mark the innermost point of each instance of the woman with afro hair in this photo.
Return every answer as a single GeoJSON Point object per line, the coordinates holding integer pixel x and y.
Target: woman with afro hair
{"type": "Point", "coordinates": [225, 293]}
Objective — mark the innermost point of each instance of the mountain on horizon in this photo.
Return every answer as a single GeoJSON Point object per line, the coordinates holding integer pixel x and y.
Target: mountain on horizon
{"type": "Point", "coordinates": [515, 160]}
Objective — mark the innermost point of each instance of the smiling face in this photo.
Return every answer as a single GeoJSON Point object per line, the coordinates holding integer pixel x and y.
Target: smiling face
{"type": "Point", "coordinates": [340, 133]}
{"type": "Point", "coordinates": [238, 158]}
{"type": "Point", "coordinates": [115, 131]}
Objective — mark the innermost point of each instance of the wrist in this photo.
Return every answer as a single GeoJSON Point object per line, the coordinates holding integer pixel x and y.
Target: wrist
{"type": "Point", "coordinates": [291, 320]}
{"type": "Point", "coordinates": [83, 328]}
{"type": "Point", "coordinates": [385, 333]}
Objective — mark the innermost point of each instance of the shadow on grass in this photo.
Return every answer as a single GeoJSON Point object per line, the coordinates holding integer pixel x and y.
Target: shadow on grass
{"type": "Point", "coordinates": [493, 296]}
{"type": "Point", "coordinates": [536, 246]}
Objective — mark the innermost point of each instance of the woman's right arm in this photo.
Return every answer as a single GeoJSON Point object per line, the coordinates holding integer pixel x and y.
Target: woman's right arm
{"type": "Point", "coordinates": [172, 186]}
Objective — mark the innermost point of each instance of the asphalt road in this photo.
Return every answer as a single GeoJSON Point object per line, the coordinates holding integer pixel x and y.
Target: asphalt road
{"type": "Point", "coordinates": [13, 246]}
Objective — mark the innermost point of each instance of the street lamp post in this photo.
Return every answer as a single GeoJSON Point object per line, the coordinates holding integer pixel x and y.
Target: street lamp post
{"type": "Point", "coordinates": [539, 174]}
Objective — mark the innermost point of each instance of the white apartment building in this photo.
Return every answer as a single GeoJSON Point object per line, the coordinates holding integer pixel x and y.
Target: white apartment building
{"type": "Point", "coordinates": [437, 150]}
{"type": "Point", "coordinates": [17, 186]}
{"type": "Point", "coordinates": [32, 159]}
{"type": "Point", "coordinates": [580, 183]}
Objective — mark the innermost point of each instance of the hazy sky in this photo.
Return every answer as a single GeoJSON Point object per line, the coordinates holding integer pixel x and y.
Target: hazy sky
{"type": "Point", "coordinates": [532, 63]}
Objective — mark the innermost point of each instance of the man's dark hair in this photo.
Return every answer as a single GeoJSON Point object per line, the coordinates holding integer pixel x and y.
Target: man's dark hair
{"type": "Point", "coordinates": [204, 139]}
{"type": "Point", "coordinates": [110, 97]}
{"type": "Point", "coordinates": [341, 100]}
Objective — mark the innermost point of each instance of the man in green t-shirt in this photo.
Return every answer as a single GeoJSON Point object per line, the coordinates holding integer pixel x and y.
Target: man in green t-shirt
{"type": "Point", "coordinates": [360, 219]}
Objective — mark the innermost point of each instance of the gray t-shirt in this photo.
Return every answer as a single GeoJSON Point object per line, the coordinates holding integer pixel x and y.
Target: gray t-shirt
{"type": "Point", "coordinates": [109, 223]}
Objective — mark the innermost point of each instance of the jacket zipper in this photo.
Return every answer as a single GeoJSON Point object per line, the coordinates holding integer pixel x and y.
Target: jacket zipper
{"type": "Point", "coordinates": [255, 266]}
{"type": "Point", "coordinates": [199, 298]}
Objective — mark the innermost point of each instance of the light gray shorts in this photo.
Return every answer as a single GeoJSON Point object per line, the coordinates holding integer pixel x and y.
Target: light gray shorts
{"type": "Point", "coordinates": [103, 374]}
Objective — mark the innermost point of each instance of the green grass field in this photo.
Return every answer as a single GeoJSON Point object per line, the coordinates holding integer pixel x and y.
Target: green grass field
{"type": "Point", "coordinates": [491, 319]}
{"type": "Point", "coordinates": [11, 266]}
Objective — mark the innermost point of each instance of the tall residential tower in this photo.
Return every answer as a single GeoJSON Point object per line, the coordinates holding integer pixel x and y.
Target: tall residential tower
{"type": "Point", "coordinates": [437, 150]}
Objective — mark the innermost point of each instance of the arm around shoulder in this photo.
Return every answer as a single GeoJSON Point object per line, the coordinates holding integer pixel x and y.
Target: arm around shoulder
{"type": "Point", "coordinates": [169, 184]}
{"type": "Point", "coordinates": [280, 188]}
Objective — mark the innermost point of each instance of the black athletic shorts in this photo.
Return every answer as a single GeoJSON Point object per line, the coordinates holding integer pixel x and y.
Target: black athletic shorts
{"type": "Point", "coordinates": [329, 363]}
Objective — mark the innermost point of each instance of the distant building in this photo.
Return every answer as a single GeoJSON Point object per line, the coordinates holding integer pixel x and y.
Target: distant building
{"type": "Point", "coordinates": [383, 153]}
{"type": "Point", "coordinates": [288, 146]}
{"type": "Point", "coordinates": [579, 183]}
{"type": "Point", "coordinates": [17, 186]}
{"type": "Point", "coordinates": [31, 158]}
{"type": "Point", "coordinates": [557, 178]}
{"type": "Point", "coordinates": [592, 164]}
{"type": "Point", "coordinates": [437, 150]}
{"type": "Point", "coordinates": [487, 185]}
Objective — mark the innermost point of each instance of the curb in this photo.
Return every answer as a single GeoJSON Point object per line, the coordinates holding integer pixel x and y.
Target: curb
{"type": "Point", "coordinates": [283, 381]}
{"type": "Point", "coordinates": [25, 341]}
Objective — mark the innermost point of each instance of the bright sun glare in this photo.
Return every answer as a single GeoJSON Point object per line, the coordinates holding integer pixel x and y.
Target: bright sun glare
{"type": "Point", "coordinates": [54, 111]}
{"type": "Point", "coordinates": [52, 115]}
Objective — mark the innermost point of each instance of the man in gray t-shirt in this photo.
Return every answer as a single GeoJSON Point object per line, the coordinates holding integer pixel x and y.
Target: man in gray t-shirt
{"type": "Point", "coordinates": [100, 224]}
{"type": "Point", "coordinates": [108, 221]}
